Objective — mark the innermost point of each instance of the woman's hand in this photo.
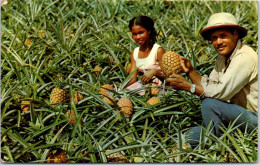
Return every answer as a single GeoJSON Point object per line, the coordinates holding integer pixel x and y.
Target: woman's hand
{"type": "Point", "coordinates": [148, 75]}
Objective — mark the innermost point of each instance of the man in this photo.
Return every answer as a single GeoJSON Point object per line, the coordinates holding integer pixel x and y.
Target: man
{"type": "Point", "coordinates": [231, 90]}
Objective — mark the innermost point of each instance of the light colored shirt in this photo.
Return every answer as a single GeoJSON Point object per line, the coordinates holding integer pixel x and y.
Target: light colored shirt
{"type": "Point", "coordinates": [234, 81]}
{"type": "Point", "coordinates": [150, 62]}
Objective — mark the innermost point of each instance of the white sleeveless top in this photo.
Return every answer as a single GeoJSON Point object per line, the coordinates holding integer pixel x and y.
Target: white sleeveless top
{"type": "Point", "coordinates": [150, 60]}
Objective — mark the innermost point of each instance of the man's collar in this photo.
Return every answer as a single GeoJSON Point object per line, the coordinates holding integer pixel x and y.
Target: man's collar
{"type": "Point", "coordinates": [238, 46]}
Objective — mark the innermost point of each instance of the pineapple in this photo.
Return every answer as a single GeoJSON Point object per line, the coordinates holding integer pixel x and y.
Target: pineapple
{"type": "Point", "coordinates": [176, 150]}
{"type": "Point", "coordinates": [230, 158]}
{"type": "Point", "coordinates": [107, 100]}
{"type": "Point", "coordinates": [154, 100]}
{"type": "Point", "coordinates": [25, 106]}
{"type": "Point", "coordinates": [203, 58]}
{"type": "Point", "coordinates": [77, 97]}
{"type": "Point", "coordinates": [171, 63]}
{"type": "Point", "coordinates": [71, 114]}
{"type": "Point", "coordinates": [57, 96]}
{"type": "Point", "coordinates": [83, 155]}
{"type": "Point", "coordinates": [111, 59]}
{"type": "Point", "coordinates": [28, 42]}
{"type": "Point", "coordinates": [128, 66]}
{"type": "Point", "coordinates": [105, 92]}
{"type": "Point", "coordinates": [117, 158]}
{"type": "Point", "coordinates": [41, 34]}
{"type": "Point", "coordinates": [59, 157]}
{"type": "Point", "coordinates": [126, 106]}
{"type": "Point", "coordinates": [154, 90]}
{"type": "Point", "coordinates": [97, 69]}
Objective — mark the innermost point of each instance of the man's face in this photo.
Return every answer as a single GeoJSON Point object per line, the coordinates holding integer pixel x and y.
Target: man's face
{"type": "Point", "coordinates": [224, 41]}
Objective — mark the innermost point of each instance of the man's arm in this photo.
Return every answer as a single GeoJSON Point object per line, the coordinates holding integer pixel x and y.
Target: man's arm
{"type": "Point", "coordinates": [179, 82]}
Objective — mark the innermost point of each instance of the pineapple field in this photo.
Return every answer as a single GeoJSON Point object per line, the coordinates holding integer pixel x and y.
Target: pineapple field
{"type": "Point", "coordinates": [64, 66]}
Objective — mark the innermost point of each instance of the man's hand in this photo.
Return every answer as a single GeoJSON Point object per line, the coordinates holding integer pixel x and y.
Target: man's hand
{"type": "Point", "coordinates": [186, 65]}
{"type": "Point", "coordinates": [148, 75]}
{"type": "Point", "coordinates": [178, 82]}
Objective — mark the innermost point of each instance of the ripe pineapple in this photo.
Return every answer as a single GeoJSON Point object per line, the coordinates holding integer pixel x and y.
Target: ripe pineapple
{"type": "Point", "coordinates": [57, 96]}
{"type": "Point", "coordinates": [97, 69]}
{"type": "Point", "coordinates": [128, 66]}
{"type": "Point", "coordinates": [28, 42]}
{"type": "Point", "coordinates": [126, 106]}
{"type": "Point", "coordinates": [59, 157]}
{"type": "Point", "coordinates": [77, 97]}
{"type": "Point", "coordinates": [25, 106]}
{"type": "Point", "coordinates": [203, 58]}
{"type": "Point", "coordinates": [71, 114]}
{"type": "Point", "coordinates": [154, 90]}
{"type": "Point", "coordinates": [107, 100]}
{"type": "Point", "coordinates": [171, 63]}
{"type": "Point", "coordinates": [105, 92]}
{"type": "Point", "coordinates": [117, 158]}
{"type": "Point", "coordinates": [154, 100]}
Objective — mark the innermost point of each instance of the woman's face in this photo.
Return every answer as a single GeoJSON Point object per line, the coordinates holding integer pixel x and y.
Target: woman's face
{"type": "Point", "coordinates": [140, 35]}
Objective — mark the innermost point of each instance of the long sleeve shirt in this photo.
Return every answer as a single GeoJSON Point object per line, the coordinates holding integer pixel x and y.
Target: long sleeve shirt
{"type": "Point", "coordinates": [234, 80]}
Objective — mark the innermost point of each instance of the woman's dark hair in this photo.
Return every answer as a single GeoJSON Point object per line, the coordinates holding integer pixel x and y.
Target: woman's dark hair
{"type": "Point", "coordinates": [147, 23]}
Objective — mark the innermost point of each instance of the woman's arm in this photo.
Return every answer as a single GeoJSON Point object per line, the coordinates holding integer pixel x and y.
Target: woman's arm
{"type": "Point", "coordinates": [133, 77]}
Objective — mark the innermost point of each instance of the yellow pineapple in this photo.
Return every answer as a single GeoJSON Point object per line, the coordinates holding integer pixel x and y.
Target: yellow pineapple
{"type": "Point", "coordinates": [57, 96]}
{"type": "Point", "coordinates": [28, 42]}
{"type": "Point", "coordinates": [25, 106]}
{"type": "Point", "coordinates": [71, 114]}
{"type": "Point", "coordinates": [126, 106]}
{"type": "Point", "coordinates": [171, 63]}
{"type": "Point", "coordinates": [104, 91]}
{"type": "Point", "coordinates": [203, 58]}
{"type": "Point", "coordinates": [117, 158]}
{"type": "Point", "coordinates": [154, 100]}
{"type": "Point", "coordinates": [97, 68]}
{"type": "Point", "coordinates": [107, 100]}
{"type": "Point", "coordinates": [154, 90]}
{"type": "Point", "coordinates": [128, 66]}
{"type": "Point", "coordinates": [59, 157]}
{"type": "Point", "coordinates": [77, 97]}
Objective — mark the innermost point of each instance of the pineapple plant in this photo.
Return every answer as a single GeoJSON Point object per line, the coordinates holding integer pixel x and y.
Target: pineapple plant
{"type": "Point", "coordinates": [117, 158]}
{"type": "Point", "coordinates": [154, 89]}
{"type": "Point", "coordinates": [104, 91]}
{"type": "Point", "coordinates": [153, 100]}
{"type": "Point", "coordinates": [57, 96]}
{"type": "Point", "coordinates": [71, 114]}
{"type": "Point", "coordinates": [58, 157]}
{"type": "Point", "coordinates": [108, 101]}
{"type": "Point", "coordinates": [171, 63]}
{"type": "Point", "coordinates": [126, 106]}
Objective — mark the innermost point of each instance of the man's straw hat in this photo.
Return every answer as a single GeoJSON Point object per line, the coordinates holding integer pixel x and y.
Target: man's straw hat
{"type": "Point", "coordinates": [222, 20]}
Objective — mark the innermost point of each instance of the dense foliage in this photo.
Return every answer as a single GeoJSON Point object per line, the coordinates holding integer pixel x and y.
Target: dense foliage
{"type": "Point", "coordinates": [47, 44]}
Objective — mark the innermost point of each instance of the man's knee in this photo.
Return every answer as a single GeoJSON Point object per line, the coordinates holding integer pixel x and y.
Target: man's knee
{"type": "Point", "coordinates": [208, 103]}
